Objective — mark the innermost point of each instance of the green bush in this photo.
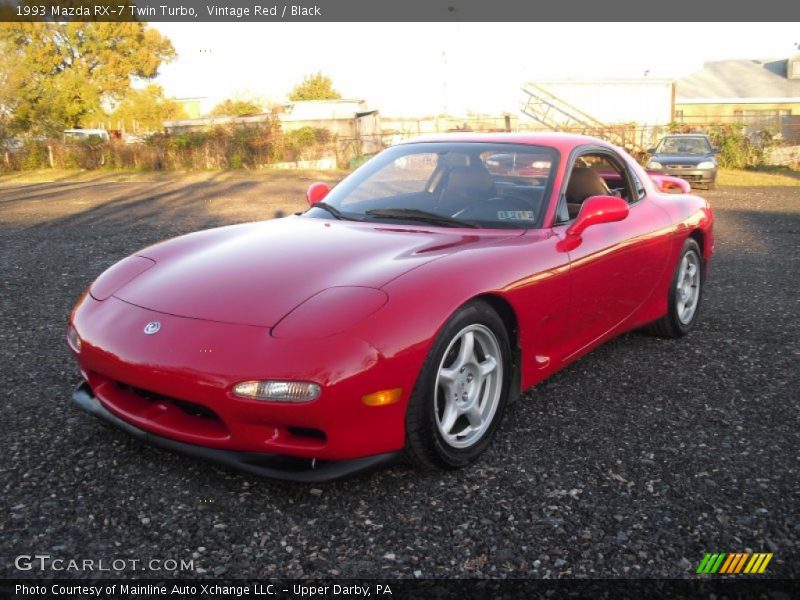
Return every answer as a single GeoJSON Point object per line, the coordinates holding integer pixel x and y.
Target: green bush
{"type": "Point", "coordinates": [33, 156]}
{"type": "Point", "coordinates": [304, 143]}
{"type": "Point", "coordinates": [248, 147]}
{"type": "Point", "coordinates": [736, 150]}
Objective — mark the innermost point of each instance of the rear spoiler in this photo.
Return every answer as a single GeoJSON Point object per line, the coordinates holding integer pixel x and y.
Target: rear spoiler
{"type": "Point", "coordinates": [668, 183]}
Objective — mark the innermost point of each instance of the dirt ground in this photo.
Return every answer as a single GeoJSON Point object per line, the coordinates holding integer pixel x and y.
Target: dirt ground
{"type": "Point", "coordinates": [633, 462]}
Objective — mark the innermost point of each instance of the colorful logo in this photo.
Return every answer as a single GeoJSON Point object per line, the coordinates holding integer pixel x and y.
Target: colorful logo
{"type": "Point", "coordinates": [741, 562]}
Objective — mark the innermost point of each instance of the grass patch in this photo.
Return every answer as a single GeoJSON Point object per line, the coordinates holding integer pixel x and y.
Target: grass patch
{"type": "Point", "coordinates": [768, 176]}
{"type": "Point", "coordinates": [103, 176]}
{"type": "Point", "coordinates": [69, 175]}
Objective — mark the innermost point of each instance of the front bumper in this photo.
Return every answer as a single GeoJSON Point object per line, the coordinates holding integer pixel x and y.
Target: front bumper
{"type": "Point", "coordinates": [257, 463]}
{"type": "Point", "coordinates": [178, 384]}
{"type": "Point", "coordinates": [701, 176]}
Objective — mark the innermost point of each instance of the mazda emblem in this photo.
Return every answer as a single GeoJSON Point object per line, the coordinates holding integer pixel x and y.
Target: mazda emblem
{"type": "Point", "coordinates": [152, 327]}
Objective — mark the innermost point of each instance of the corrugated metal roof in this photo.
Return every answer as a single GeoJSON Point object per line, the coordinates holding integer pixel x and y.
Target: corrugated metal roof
{"type": "Point", "coordinates": [739, 79]}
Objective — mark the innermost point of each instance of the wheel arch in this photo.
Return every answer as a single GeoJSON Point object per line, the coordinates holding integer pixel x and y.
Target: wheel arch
{"type": "Point", "coordinates": [698, 236]}
{"type": "Point", "coordinates": [509, 317]}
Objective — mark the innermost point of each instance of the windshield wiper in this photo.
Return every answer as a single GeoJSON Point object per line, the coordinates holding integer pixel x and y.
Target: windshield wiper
{"type": "Point", "coordinates": [415, 214]}
{"type": "Point", "coordinates": [337, 214]}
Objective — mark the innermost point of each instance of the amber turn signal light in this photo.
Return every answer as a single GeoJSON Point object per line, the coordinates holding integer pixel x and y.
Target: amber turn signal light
{"type": "Point", "coordinates": [383, 397]}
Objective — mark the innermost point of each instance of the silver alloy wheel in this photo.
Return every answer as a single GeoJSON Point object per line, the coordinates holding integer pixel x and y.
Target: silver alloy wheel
{"type": "Point", "coordinates": [468, 386]}
{"type": "Point", "coordinates": [687, 291]}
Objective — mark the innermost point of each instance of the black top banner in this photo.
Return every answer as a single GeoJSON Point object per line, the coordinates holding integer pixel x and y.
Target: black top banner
{"type": "Point", "coordinates": [671, 12]}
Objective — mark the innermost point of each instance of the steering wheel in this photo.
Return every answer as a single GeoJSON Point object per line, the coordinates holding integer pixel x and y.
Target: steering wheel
{"type": "Point", "coordinates": [489, 210]}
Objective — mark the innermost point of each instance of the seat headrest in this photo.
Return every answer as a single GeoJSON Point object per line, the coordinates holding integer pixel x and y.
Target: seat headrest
{"type": "Point", "coordinates": [583, 183]}
{"type": "Point", "coordinates": [474, 181]}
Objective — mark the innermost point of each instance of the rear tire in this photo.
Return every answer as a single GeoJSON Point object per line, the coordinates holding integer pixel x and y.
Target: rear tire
{"type": "Point", "coordinates": [461, 392]}
{"type": "Point", "coordinates": [685, 294]}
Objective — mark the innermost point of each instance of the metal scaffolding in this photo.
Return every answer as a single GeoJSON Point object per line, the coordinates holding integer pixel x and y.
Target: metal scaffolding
{"type": "Point", "coordinates": [557, 114]}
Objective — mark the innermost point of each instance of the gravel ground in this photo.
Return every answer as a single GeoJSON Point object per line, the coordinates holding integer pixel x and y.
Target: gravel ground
{"type": "Point", "coordinates": [633, 462]}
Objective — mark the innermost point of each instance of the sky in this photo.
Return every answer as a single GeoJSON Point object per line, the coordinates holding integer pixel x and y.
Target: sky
{"type": "Point", "coordinates": [416, 69]}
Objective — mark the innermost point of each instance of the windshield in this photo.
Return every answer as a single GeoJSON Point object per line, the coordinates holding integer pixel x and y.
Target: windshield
{"type": "Point", "coordinates": [684, 145]}
{"type": "Point", "coordinates": [459, 184]}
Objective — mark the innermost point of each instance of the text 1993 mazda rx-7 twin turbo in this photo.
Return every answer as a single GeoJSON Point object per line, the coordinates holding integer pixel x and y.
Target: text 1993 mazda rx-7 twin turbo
{"type": "Point", "coordinates": [399, 315]}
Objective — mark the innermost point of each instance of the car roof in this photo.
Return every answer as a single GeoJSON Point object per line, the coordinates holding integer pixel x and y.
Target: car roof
{"type": "Point", "coordinates": [88, 131]}
{"type": "Point", "coordinates": [553, 139]}
{"type": "Point", "coordinates": [686, 135]}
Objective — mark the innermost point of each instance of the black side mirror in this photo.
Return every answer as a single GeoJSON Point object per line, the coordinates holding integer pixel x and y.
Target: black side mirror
{"type": "Point", "coordinates": [651, 150]}
{"type": "Point", "coordinates": [716, 150]}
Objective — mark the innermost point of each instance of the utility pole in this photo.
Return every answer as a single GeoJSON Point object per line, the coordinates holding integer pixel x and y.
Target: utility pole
{"type": "Point", "coordinates": [444, 81]}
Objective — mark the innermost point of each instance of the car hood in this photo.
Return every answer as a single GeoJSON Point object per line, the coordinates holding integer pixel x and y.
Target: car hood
{"type": "Point", "coordinates": [254, 274]}
{"type": "Point", "coordinates": [682, 159]}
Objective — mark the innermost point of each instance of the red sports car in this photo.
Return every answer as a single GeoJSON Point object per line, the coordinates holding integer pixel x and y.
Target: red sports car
{"type": "Point", "coordinates": [397, 316]}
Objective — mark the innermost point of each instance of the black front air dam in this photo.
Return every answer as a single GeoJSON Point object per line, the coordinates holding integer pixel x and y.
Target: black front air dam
{"type": "Point", "coordinates": [275, 466]}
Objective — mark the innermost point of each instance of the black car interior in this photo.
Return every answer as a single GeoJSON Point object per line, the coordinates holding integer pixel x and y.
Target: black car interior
{"type": "Point", "coordinates": [471, 192]}
{"type": "Point", "coordinates": [464, 186]}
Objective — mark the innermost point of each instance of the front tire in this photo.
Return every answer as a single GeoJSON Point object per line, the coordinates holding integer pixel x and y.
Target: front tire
{"type": "Point", "coordinates": [685, 294]}
{"type": "Point", "coordinates": [461, 392]}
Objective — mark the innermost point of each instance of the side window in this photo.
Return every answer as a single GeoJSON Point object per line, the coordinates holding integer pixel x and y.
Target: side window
{"type": "Point", "coordinates": [595, 174]}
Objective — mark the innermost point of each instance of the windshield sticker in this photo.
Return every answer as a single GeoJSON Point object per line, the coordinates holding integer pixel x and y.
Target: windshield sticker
{"type": "Point", "coordinates": [515, 215]}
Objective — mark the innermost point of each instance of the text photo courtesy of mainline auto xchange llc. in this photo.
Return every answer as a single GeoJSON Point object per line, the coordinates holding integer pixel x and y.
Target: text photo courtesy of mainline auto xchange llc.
{"type": "Point", "coordinates": [352, 299]}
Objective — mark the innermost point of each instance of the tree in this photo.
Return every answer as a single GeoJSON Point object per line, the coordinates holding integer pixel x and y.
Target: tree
{"type": "Point", "coordinates": [315, 87]}
{"type": "Point", "coordinates": [7, 100]}
{"type": "Point", "coordinates": [236, 108]}
{"type": "Point", "coordinates": [145, 110]}
{"type": "Point", "coordinates": [62, 74]}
